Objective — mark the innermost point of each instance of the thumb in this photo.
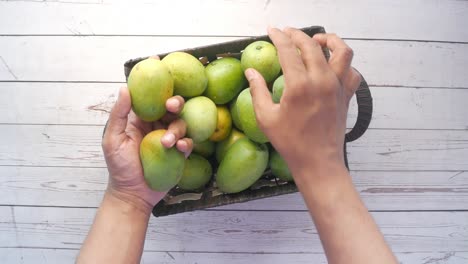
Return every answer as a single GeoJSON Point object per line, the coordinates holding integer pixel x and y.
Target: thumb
{"type": "Point", "coordinates": [261, 96]}
{"type": "Point", "coordinates": [119, 114]}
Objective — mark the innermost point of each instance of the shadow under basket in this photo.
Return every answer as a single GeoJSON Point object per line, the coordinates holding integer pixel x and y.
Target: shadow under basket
{"type": "Point", "coordinates": [179, 201]}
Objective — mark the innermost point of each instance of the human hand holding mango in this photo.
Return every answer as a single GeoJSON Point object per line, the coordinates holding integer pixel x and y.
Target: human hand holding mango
{"type": "Point", "coordinates": [308, 125]}
{"type": "Point", "coordinates": [121, 146]}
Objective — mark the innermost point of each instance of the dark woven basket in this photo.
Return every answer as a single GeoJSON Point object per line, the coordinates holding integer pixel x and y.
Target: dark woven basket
{"type": "Point", "coordinates": [178, 201]}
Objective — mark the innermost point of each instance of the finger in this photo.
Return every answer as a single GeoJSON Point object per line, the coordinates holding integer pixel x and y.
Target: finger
{"type": "Point", "coordinates": [156, 57]}
{"type": "Point", "coordinates": [185, 146]}
{"type": "Point", "coordinates": [352, 82]}
{"type": "Point", "coordinates": [261, 97]}
{"type": "Point", "coordinates": [119, 114]}
{"type": "Point", "coordinates": [311, 51]}
{"type": "Point", "coordinates": [175, 104]}
{"type": "Point", "coordinates": [341, 54]}
{"type": "Point", "coordinates": [175, 131]}
{"type": "Point", "coordinates": [290, 60]}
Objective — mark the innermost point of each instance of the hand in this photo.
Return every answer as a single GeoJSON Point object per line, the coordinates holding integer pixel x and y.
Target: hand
{"type": "Point", "coordinates": [308, 126]}
{"type": "Point", "coordinates": [121, 146]}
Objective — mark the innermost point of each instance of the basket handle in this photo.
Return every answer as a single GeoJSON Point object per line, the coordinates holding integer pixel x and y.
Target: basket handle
{"type": "Point", "coordinates": [364, 100]}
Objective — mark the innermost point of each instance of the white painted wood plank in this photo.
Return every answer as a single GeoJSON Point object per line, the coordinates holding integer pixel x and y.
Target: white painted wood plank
{"type": "Point", "coordinates": [240, 231]}
{"type": "Point", "coordinates": [80, 146]}
{"type": "Point", "coordinates": [59, 256]}
{"type": "Point", "coordinates": [400, 19]}
{"type": "Point", "coordinates": [89, 104]}
{"type": "Point", "coordinates": [384, 63]}
{"type": "Point", "coordinates": [380, 190]}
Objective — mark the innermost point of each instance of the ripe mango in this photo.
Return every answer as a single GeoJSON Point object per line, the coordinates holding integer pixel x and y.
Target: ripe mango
{"type": "Point", "coordinates": [279, 167]}
{"type": "Point", "coordinates": [188, 73]}
{"type": "Point", "coordinates": [223, 125]}
{"type": "Point", "coordinates": [200, 116]}
{"type": "Point", "coordinates": [197, 173]}
{"type": "Point", "coordinates": [243, 164]}
{"type": "Point", "coordinates": [247, 117]}
{"type": "Point", "coordinates": [150, 85]}
{"type": "Point", "coordinates": [162, 167]}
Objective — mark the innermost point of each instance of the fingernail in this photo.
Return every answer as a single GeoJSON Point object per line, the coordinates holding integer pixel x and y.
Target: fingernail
{"type": "Point", "coordinates": [174, 102]}
{"type": "Point", "coordinates": [121, 90]}
{"type": "Point", "coordinates": [169, 138]}
{"type": "Point", "coordinates": [249, 74]}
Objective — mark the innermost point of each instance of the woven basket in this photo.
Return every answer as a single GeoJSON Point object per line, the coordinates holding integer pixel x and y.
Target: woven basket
{"type": "Point", "coordinates": [179, 201]}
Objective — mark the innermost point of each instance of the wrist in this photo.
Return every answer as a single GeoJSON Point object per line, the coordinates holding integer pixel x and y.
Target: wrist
{"type": "Point", "coordinates": [128, 202]}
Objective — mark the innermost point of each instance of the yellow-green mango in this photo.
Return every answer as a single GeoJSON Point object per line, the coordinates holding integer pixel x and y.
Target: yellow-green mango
{"type": "Point", "coordinates": [201, 116]}
{"type": "Point", "coordinates": [243, 164]}
{"type": "Point", "coordinates": [188, 73]}
{"type": "Point", "coordinates": [150, 85]}
{"type": "Point", "coordinates": [162, 167]}
{"type": "Point", "coordinates": [247, 117]}
{"type": "Point", "coordinates": [197, 173]}
{"type": "Point", "coordinates": [263, 57]}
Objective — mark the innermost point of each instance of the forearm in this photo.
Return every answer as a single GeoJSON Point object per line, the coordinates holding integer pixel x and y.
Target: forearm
{"type": "Point", "coordinates": [117, 234]}
{"type": "Point", "coordinates": [346, 229]}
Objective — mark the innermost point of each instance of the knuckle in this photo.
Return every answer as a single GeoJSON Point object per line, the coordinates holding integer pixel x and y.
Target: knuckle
{"type": "Point", "coordinates": [348, 53]}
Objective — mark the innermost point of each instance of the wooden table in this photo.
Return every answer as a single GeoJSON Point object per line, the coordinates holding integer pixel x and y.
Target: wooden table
{"type": "Point", "coordinates": [60, 69]}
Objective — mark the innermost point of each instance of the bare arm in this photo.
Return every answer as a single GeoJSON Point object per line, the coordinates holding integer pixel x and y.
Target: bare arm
{"type": "Point", "coordinates": [118, 232]}
{"type": "Point", "coordinates": [313, 108]}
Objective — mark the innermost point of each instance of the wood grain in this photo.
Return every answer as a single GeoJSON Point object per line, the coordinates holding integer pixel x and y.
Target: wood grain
{"type": "Point", "coordinates": [90, 104]}
{"type": "Point", "coordinates": [58, 58]}
{"type": "Point", "coordinates": [426, 20]}
{"type": "Point", "coordinates": [380, 190]}
{"type": "Point", "coordinates": [248, 232]}
{"type": "Point", "coordinates": [80, 146]}
{"type": "Point", "coordinates": [59, 256]}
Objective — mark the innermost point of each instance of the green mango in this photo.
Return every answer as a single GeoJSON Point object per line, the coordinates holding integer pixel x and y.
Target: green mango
{"type": "Point", "coordinates": [205, 148]}
{"type": "Point", "coordinates": [197, 173]}
{"type": "Point", "coordinates": [162, 167]}
{"type": "Point", "coordinates": [223, 146]}
{"type": "Point", "coordinates": [278, 89]}
{"type": "Point", "coordinates": [235, 114]}
{"type": "Point", "coordinates": [247, 117]}
{"type": "Point", "coordinates": [150, 85]}
{"type": "Point", "coordinates": [243, 164]}
{"type": "Point", "coordinates": [279, 168]}
{"type": "Point", "coordinates": [225, 80]}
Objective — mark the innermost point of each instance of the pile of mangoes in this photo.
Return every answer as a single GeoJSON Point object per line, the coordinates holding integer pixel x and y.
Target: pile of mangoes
{"type": "Point", "coordinates": [219, 115]}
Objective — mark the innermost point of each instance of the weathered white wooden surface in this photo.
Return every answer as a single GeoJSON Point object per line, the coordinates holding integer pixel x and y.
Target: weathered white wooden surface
{"type": "Point", "coordinates": [57, 104]}
{"type": "Point", "coordinates": [61, 66]}
{"type": "Point", "coordinates": [438, 20]}
{"type": "Point", "coordinates": [44, 256]}
{"type": "Point", "coordinates": [232, 231]}
{"type": "Point", "coordinates": [67, 58]}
